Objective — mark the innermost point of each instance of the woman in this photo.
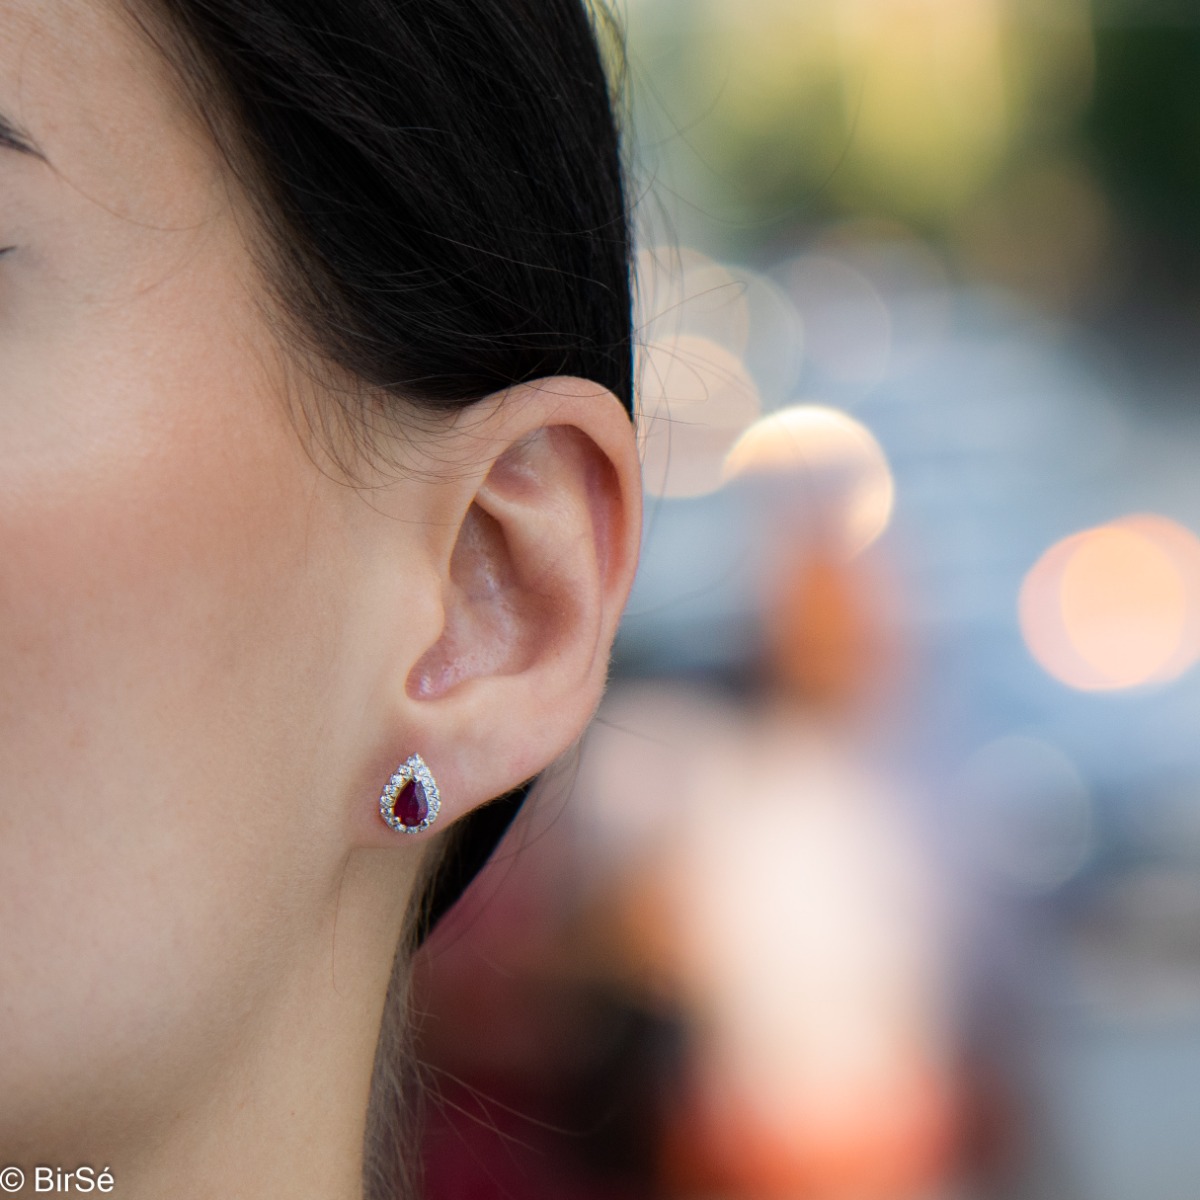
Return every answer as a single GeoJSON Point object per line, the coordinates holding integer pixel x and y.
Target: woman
{"type": "Point", "coordinates": [315, 456]}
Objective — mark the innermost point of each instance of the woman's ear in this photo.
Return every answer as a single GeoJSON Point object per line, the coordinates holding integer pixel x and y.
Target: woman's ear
{"type": "Point", "coordinates": [545, 539]}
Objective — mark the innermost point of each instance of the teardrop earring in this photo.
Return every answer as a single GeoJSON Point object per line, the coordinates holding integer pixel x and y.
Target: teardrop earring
{"type": "Point", "coordinates": [409, 802]}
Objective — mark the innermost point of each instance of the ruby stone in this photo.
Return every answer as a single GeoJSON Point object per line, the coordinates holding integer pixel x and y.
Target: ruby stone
{"type": "Point", "coordinates": [411, 806]}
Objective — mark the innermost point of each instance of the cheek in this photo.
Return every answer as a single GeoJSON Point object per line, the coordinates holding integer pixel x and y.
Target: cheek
{"type": "Point", "coordinates": [165, 642]}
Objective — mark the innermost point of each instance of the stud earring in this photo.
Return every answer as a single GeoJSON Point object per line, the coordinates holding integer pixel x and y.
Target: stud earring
{"type": "Point", "coordinates": [409, 802]}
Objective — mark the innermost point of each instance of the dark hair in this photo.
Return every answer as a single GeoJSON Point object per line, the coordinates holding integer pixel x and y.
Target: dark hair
{"type": "Point", "coordinates": [440, 185]}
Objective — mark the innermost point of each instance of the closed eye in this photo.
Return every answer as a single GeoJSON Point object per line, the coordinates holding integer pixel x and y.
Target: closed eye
{"type": "Point", "coordinates": [12, 137]}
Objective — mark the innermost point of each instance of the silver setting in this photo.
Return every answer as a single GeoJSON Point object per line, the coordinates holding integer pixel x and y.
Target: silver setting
{"type": "Point", "coordinates": [414, 770]}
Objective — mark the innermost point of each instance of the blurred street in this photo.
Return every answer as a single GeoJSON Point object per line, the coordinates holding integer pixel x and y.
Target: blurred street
{"type": "Point", "coordinates": [878, 874]}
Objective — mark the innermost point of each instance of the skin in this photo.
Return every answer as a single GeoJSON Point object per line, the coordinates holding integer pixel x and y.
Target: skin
{"type": "Point", "coordinates": [215, 651]}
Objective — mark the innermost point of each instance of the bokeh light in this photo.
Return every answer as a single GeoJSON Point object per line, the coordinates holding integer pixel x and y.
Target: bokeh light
{"type": "Point", "coordinates": [684, 292]}
{"type": "Point", "coordinates": [848, 330]}
{"type": "Point", "coordinates": [697, 397]}
{"type": "Point", "coordinates": [1117, 606]}
{"type": "Point", "coordinates": [839, 467]}
{"type": "Point", "coordinates": [1025, 814]}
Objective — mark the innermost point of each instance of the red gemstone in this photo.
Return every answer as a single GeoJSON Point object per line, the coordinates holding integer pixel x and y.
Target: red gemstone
{"type": "Point", "coordinates": [411, 807]}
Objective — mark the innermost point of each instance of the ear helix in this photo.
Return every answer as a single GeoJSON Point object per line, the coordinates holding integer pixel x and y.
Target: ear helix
{"type": "Point", "coordinates": [409, 802]}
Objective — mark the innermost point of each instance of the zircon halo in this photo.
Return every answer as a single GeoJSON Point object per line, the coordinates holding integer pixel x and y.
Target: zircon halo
{"type": "Point", "coordinates": [409, 802]}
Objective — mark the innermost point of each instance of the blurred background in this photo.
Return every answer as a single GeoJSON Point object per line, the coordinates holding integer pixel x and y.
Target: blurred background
{"type": "Point", "coordinates": [878, 874]}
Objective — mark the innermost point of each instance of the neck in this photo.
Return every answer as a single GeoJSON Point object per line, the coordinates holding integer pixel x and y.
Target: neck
{"type": "Point", "coordinates": [280, 1108]}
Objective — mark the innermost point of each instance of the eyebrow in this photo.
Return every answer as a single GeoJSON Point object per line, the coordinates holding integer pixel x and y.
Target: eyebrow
{"type": "Point", "coordinates": [14, 138]}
